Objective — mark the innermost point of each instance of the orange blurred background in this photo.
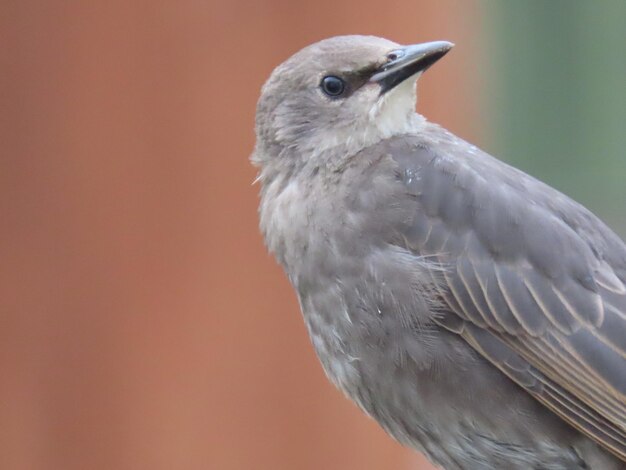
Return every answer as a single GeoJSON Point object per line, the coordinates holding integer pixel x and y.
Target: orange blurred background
{"type": "Point", "coordinates": [142, 324]}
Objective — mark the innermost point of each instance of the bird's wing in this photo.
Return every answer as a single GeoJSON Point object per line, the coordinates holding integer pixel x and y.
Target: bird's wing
{"type": "Point", "coordinates": [530, 279]}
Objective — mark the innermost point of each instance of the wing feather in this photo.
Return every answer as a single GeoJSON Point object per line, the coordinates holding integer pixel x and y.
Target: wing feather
{"type": "Point", "coordinates": [533, 281]}
{"type": "Point", "coordinates": [570, 355]}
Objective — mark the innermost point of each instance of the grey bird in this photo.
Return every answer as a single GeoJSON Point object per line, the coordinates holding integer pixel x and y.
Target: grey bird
{"type": "Point", "coordinates": [476, 313]}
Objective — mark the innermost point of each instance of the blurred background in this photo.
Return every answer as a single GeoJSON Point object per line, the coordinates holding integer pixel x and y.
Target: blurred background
{"type": "Point", "coordinates": [142, 323]}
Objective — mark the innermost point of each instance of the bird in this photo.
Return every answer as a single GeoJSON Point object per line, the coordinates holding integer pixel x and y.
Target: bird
{"type": "Point", "coordinates": [476, 313]}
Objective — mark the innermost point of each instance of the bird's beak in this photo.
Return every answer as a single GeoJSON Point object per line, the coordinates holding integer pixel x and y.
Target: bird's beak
{"type": "Point", "coordinates": [407, 61]}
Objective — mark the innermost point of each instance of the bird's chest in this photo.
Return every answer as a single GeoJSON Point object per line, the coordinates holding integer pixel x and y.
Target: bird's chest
{"type": "Point", "coordinates": [305, 227]}
{"type": "Point", "coordinates": [349, 280]}
{"type": "Point", "coordinates": [369, 332]}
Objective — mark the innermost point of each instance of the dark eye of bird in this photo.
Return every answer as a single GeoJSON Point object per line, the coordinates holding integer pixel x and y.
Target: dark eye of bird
{"type": "Point", "coordinates": [333, 86]}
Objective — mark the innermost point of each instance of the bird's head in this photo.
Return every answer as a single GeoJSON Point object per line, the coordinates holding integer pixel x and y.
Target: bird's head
{"type": "Point", "coordinates": [348, 91]}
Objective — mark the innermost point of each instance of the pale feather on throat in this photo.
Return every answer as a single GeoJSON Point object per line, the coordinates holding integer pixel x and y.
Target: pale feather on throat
{"type": "Point", "coordinates": [392, 114]}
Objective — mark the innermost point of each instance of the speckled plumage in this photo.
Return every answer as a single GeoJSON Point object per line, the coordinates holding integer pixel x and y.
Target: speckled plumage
{"type": "Point", "coordinates": [449, 295]}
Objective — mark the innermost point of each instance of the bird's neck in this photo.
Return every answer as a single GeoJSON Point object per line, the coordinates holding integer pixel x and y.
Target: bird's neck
{"type": "Point", "coordinates": [335, 149]}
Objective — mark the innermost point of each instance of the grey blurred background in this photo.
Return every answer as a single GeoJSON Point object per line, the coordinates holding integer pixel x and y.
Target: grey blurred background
{"type": "Point", "coordinates": [142, 324]}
